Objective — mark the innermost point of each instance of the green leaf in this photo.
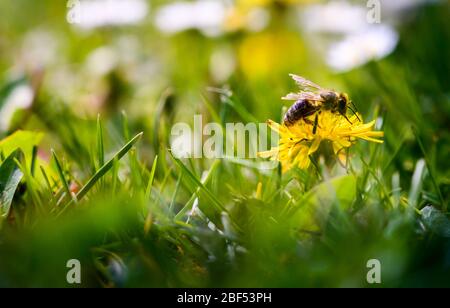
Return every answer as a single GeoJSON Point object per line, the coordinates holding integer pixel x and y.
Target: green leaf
{"type": "Point", "coordinates": [24, 140]}
{"type": "Point", "coordinates": [10, 177]}
{"type": "Point", "coordinates": [312, 210]}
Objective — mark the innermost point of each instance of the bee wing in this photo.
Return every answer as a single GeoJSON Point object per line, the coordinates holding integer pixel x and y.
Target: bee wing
{"type": "Point", "coordinates": [305, 84]}
{"type": "Point", "coordinates": [292, 97]}
{"type": "Point", "coordinates": [310, 96]}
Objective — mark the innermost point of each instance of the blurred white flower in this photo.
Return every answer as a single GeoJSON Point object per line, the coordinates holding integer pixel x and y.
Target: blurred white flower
{"type": "Point", "coordinates": [102, 61]}
{"type": "Point", "coordinates": [39, 49]}
{"type": "Point", "coordinates": [258, 19]}
{"type": "Point", "coordinates": [88, 14]}
{"type": "Point", "coordinates": [222, 64]}
{"type": "Point", "coordinates": [64, 82]}
{"type": "Point", "coordinates": [337, 17]}
{"type": "Point", "coordinates": [357, 49]}
{"type": "Point", "coordinates": [207, 16]}
{"type": "Point", "coordinates": [342, 31]}
{"type": "Point", "coordinates": [20, 98]}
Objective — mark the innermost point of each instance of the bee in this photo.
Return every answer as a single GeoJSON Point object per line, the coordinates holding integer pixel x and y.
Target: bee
{"type": "Point", "coordinates": [312, 99]}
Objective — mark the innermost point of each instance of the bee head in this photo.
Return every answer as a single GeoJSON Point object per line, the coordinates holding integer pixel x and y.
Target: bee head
{"type": "Point", "coordinates": [343, 103]}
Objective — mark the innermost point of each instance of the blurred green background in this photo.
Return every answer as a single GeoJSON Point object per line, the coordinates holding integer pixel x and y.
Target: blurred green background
{"type": "Point", "coordinates": [143, 66]}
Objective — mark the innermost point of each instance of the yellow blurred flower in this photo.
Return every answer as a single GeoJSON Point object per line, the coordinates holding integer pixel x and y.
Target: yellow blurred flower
{"type": "Point", "coordinates": [252, 14]}
{"type": "Point", "coordinates": [270, 53]}
{"type": "Point", "coordinates": [297, 142]}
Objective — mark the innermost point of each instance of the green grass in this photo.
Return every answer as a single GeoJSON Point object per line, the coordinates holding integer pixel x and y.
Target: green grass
{"type": "Point", "coordinates": [136, 216]}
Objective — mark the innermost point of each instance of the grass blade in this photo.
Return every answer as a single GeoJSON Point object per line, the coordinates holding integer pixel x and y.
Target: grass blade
{"type": "Point", "coordinates": [205, 181]}
{"type": "Point", "coordinates": [175, 193]}
{"type": "Point", "coordinates": [47, 182]}
{"type": "Point", "coordinates": [417, 183]}
{"type": "Point", "coordinates": [240, 109]}
{"type": "Point", "coordinates": [33, 159]}
{"type": "Point", "coordinates": [60, 171]}
{"type": "Point", "coordinates": [210, 195]}
{"type": "Point", "coordinates": [106, 167]}
{"type": "Point", "coordinates": [100, 146]}
{"type": "Point", "coordinates": [211, 110]}
{"type": "Point", "coordinates": [115, 174]}
{"type": "Point", "coordinates": [126, 131]}
{"type": "Point", "coordinates": [430, 170]}
{"type": "Point", "coordinates": [148, 191]}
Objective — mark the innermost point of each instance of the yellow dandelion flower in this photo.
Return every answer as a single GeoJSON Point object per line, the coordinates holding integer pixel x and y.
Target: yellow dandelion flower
{"type": "Point", "coordinates": [297, 142]}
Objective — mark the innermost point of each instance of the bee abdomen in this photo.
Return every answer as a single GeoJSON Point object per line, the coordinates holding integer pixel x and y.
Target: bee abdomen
{"type": "Point", "coordinates": [301, 109]}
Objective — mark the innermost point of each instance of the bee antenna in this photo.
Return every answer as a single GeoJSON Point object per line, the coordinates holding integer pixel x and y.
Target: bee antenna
{"type": "Point", "coordinates": [353, 110]}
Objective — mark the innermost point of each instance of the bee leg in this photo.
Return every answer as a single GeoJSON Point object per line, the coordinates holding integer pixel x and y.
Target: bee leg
{"type": "Point", "coordinates": [308, 121]}
{"type": "Point", "coordinates": [316, 123]}
{"type": "Point", "coordinates": [345, 116]}
{"type": "Point", "coordinates": [305, 117]}
{"type": "Point", "coordinates": [303, 140]}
